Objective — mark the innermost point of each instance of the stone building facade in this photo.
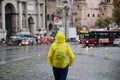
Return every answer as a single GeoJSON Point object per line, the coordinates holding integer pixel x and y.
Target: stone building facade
{"type": "Point", "coordinates": [29, 16]}
{"type": "Point", "coordinates": [21, 17]}
{"type": "Point", "coordinates": [81, 12]}
{"type": "Point", "coordinates": [86, 12]}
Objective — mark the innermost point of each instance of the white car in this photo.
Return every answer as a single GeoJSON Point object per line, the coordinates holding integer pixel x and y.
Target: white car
{"type": "Point", "coordinates": [119, 44]}
{"type": "Point", "coordinates": [28, 41]}
{"type": "Point", "coordinates": [116, 42]}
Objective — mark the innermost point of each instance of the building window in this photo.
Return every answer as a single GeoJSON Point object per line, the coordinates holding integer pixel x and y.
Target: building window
{"type": "Point", "coordinates": [88, 15]}
{"type": "Point", "coordinates": [76, 13]}
{"type": "Point", "coordinates": [52, 17]}
{"type": "Point", "coordinates": [98, 15]}
{"type": "Point", "coordinates": [102, 13]}
{"type": "Point", "coordinates": [104, 8]}
{"type": "Point", "coordinates": [107, 1]}
{"type": "Point", "coordinates": [75, 20]}
{"type": "Point", "coordinates": [78, 6]}
{"type": "Point", "coordinates": [93, 15]}
{"type": "Point", "coordinates": [48, 17]}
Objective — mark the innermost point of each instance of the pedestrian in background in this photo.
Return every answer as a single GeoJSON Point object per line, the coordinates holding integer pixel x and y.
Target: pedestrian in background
{"type": "Point", "coordinates": [57, 57]}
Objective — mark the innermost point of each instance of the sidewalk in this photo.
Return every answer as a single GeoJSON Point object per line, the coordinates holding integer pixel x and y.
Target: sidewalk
{"type": "Point", "coordinates": [86, 67]}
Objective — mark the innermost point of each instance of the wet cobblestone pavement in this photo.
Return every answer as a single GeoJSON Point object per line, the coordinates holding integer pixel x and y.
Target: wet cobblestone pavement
{"type": "Point", "coordinates": [86, 67]}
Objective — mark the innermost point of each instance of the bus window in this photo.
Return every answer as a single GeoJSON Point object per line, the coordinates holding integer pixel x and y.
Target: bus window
{"type": "Point", "coordinates": [112, 35]}
{"type": "Point", "coordinates": [118, 35]}
{"type": "Point", "coordinates": [81, 36]}
{"type": "Point", "coordinates": [84, 36]}
{"type": "Point", "coordinates": [106, 35]}
{"type": "Point", "coordinates": [103, 35]}
{"type": "Point", "coordinates": [93, 35]}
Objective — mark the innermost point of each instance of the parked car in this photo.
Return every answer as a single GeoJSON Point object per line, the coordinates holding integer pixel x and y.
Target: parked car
{"type": "Point", "coordinates": [32, 41]}
{"type": "Point", "coordinates": [28, 41]}
{"type": "Point", "coordinates": [14, 41]}
{"type": "Point", "coordinates": [2, 42]}
{"type": "Point", "coordinates": [50, 39]}
{"type": "Point", "coordinates": [46, 40]}
{"type": "Point", "coordinates": [43, 41]}
{"type": "Point", "coordinates": [116, 42]}
{"type": "Point", "coordinates": [119, 44]}
{"type": "Point", "coordinates": [25, 41]}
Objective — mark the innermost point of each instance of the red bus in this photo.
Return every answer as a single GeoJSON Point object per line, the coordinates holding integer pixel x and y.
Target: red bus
{"type": "Point", "coordinates": [98, 37]}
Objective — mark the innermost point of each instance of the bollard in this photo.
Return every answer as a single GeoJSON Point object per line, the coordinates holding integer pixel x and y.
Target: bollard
{"type": "Point", "coordinates": [39, 55]}
{"type": "Point", "coordinates": [80, 50]}
{"type": "Point", "coordinates": [92, 51]}
{"type": "Point", "coordinates": [107, 55]}
{"type": "Point", "coordinates": [26, 49]}
{"type": "Point", "coordinates": [86, 49]}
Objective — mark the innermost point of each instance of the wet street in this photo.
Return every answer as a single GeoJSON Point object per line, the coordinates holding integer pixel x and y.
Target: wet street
{"type": "Point", "coordinates": [30, 63]}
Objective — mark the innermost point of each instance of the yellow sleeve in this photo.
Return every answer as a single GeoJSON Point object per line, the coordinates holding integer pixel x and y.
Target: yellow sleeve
{"type": "Point", "coordinates": [71, 55]}
{"type": "Point", "coordinates": [50, 55]}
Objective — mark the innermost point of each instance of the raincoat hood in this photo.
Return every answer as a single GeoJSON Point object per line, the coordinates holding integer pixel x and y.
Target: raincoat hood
{"type": "Point", "coordinates": [60, 37]}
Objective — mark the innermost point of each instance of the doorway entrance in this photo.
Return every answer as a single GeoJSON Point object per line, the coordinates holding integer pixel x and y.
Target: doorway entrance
{"type": "Point", "coordinates": [31, 25]}
{"type": "Point", "coordinates": [10, 19]}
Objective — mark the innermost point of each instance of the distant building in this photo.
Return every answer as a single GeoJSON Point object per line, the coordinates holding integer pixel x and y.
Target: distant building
{"type": "Point", "coordinates": [81, 12]}
{"type": "Point", "coordinates": [21, 17]}
{"type": "Point", "coordinates": [86, 12]}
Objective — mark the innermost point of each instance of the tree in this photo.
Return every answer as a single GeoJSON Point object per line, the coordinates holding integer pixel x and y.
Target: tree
{"type": "Point", "coordinates": [108, 21]}
{"type": "Point", "coordinates": [99, 23]}
{"type": "Point", "coordinates": [116, 12]}
{"type": "Point", "coordinates": [116, 3]}
{"type": "Point", "coordinates": [103, 23]}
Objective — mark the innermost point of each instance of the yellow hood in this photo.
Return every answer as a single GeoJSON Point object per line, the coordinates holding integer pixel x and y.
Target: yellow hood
{"type": "Point", "coordinates": [60, 37]}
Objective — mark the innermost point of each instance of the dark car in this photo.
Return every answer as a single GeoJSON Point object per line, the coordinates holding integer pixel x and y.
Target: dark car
{"type": "Point", "coordinates": [14, 41]}
{"type": "Point", "coordinates": [2, 42]}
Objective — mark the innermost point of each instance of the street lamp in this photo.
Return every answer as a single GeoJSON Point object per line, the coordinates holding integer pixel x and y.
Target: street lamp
{"type": "Point", "coordinates": [66, 8]}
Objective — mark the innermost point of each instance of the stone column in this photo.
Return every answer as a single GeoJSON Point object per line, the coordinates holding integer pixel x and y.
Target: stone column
{"type": "Point", "coordinates": [38, 18]}
{"type": "Point", "coordinates": [3, 15]}
{"type": "Point", "coordinates": [0, 15]}
{"type": "Point", "coordinates": [26, 16]}
{"type": "Point", "coordinates": [20, 15]}
{"type": "Point", "coordinates": [44, 16]}
{"type": "Point", "coordinates": [41, 15]}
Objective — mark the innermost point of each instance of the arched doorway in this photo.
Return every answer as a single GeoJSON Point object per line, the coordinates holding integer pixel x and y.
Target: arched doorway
{"type": "Point", "coordinates": [10, 19]}
{"type": "Point", "coordinates": [50, 27]}
{"type": "Point", "coordinates": [31, 25]}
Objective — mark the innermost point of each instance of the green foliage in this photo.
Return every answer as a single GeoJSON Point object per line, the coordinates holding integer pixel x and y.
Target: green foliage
{"type": "Point", "coordinates": [116, 12]}
{"type": "Point", "coordinates": [102, 23]}
{"type": "Point", "coordinates": [116, 15]}
{"type": "Point", "coordinates": [116, 3]}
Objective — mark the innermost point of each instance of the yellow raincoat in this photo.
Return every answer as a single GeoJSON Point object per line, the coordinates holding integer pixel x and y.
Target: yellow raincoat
{"type": "Point", "coordinates": [59, 50]}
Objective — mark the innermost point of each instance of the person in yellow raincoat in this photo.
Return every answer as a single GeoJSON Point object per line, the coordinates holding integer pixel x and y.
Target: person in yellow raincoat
{"type": "Point", "coordinates": [57, 57]}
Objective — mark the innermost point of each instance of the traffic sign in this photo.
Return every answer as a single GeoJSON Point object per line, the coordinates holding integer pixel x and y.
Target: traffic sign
{"type": "Point", "coordinates": [56, 20]}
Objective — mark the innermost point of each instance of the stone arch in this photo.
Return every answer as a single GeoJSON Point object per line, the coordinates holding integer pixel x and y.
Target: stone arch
{"type": "Point", "coordinates": [10, 20]}
{"type": "Point", "coordinates": [31, 25]}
